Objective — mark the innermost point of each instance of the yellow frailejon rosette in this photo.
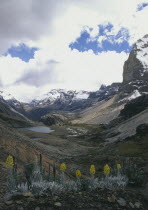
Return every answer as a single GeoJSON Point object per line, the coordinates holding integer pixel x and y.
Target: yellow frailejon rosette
{"type": "Point", "coordinates": [9, 162]}
{"type": "Point", "coordinates": [62, 167]}
{"type": "Point", "coordinates": [118, 166]}
{"type": "Point", "coordinates": [92, 169]}
{"type": "Point", "coordinates": [78, 173]}
{"type": "Point", "coordinates": [106, 169]}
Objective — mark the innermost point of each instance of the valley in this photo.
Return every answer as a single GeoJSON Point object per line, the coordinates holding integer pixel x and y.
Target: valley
{"type": "Point", "coordinates": [108, 126]}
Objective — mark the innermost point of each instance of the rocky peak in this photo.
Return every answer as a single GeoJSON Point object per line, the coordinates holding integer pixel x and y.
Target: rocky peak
{"type": "Point", "coordinates": [62, 96]}
{"type": "Point", "coordinates": [106, 92]}
{"type": "Point", "coordinates": [136, 67]}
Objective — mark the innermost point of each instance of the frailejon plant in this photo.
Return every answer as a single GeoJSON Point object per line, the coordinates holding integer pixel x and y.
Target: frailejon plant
{"type": "Point", "coordinates": [92, 170]}
{"type": "Point", "coordinates": [106, 173]}
{"type": "Point", "coordinates": [106, 169]}
{"type": "Point", "coordinates": [9, 162]}
{"type": "Point", "coordinates": [11, 176]}
{"type": "Point", "coordinates": [118, 169]}
{"type": "Point", "coordinates": [62, 169]}
{"type": "Point", "coordinates": [38, 185]}
{"type": "Point", "coordinates": [92, 181]}
{"type": "Point", "coordinates": [113, 182]}
{"type": "Point", "coordinates": [33, 173]}
{"type": "Point", "coordinates": [36, 175]}
{"type": "Point", "coordinates": [118, 166]}
{"type": "Point", "coordinates": [28, 170]}
{"type": "Point", "coordinates": [22, 187]}
{"type": "Point", "coordinates": [45, 187]}
{"type": "Point", "coordinates": [78, 177]}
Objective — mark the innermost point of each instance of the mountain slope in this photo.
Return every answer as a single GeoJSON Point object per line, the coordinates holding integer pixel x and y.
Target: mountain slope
{"type": "Point", "coordinates": [102, 106]}
{"type": "Point", "coordinates": [9, 115]}
{"type": "Point", "coordinates": [100, 113]}
{"type": "Point", "coordinates": [128, 108]}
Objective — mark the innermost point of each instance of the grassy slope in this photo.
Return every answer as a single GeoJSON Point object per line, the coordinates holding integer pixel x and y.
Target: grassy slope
{"type": "Point", "coordinates": [13, 121]}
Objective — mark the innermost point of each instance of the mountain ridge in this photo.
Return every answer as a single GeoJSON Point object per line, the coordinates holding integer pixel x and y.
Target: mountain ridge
{"type": "Point", "coordinates": [135, 84]}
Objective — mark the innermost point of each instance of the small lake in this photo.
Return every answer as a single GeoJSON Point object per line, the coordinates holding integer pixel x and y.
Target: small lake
{"type": "Point", "coordinates": [40, 129]}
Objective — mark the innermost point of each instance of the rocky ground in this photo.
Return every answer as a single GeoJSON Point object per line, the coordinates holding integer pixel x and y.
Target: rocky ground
{"type": "Point", "coordinates": [91, 200]}
{"type": "Point", "coordinates": [130, 198]}
{"type": "Point", "coordinates": [77, 145]}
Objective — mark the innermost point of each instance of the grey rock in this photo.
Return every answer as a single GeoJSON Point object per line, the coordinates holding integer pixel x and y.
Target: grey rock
{"type": "Point", "coordinates": [112, 199]}
{"type": "Point", "coordinates": [27, 194]}
{"type": "Point", "coordinates": [132, 205]}
{"type": "Point", "coordinates": [58, 204]}
{"type": "Point", "coordinates": [133, 68]}
{"type": "Point", "coordinates": [137, 205]}
{"type": "Point", "coordinates": [19, 202]}
{"type": "Point", "coordinates": [8, 202]}
{"type": "Point", "coordinates": [55, 198]}
{"type": "Point", "coordinates": [8, 197]}
{"type": "Point", "coordinates": [37, 208]}
{"type": "Point", "coordinates": [121, 202]}
{"type": "Point", "coordinates": [20, 208]}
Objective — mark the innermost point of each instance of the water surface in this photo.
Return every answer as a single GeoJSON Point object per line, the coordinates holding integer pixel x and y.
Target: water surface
{"type": "Point", "coordinates": [40, 129]}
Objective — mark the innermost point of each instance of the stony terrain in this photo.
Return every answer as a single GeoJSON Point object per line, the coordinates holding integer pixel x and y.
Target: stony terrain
{"type": "Point", "coordinates": [97, 199]}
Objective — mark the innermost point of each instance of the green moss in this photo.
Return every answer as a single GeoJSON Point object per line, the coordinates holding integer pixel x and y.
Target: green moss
{"type": "Point", "coordinates": [13, 121]}
{"type": "Point", "coordinates": [134, 149]}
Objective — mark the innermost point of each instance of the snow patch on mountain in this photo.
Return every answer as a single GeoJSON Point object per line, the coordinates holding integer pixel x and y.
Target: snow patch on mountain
{"type": "Point", "coordinates": [62, 95]}
{"type": "Point", "coordinates": [142, 51]}
{"type": "Point", "coordinates": [6, 96]}
{"type": "Point", "coordinates": [134, 95]}
{"type": "Point", "coordinates": [81, 95]}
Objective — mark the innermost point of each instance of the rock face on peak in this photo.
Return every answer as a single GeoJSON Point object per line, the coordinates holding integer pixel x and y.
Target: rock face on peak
{"type": "Point", "coordinates": [123, 106]}
{"type": "Point", "coordinates": [106, 92]}
{"type": "Point", "coordinates": [136, 67]}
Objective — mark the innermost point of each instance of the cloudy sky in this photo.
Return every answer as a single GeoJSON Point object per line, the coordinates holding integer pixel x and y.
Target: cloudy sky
{"type": "Point", "coordinates": [70, 44]}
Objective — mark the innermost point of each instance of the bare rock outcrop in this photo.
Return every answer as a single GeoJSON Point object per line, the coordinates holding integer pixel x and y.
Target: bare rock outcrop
{"type": "Point", "coordinates": [136, 67]}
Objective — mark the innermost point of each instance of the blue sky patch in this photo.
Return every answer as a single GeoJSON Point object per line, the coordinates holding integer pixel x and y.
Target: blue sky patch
{"type": "Point", "coordinates": [22, 51]}
{"type": "Point", "coordinates": [142, 6]}
{"type": "Point", "coordinates": [106, 40]}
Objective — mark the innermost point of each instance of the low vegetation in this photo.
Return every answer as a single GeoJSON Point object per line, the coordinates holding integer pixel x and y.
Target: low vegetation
{"type": "Point", "coordinates": [35, 181]}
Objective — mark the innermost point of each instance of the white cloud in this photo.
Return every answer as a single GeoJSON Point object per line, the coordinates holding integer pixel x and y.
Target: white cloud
{"type": "Point", "coordinates": [26, 20]}
{"type": "Point", "coordinates": [87, 70]}
{"type": "Point", "coordinates": [11, 69]}
{"type": "Point", "coordinates": [52, 26]}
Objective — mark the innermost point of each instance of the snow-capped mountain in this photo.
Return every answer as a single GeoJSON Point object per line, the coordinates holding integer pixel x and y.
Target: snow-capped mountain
{"type": "Point", "coordinates": [9, 106]}
{"type": "Point", "coordinates": [10, 99]}
{"type": "Point", "coordinates": [106, 92]}
{"type": "Point", "coordinates": [134, 85]}
{"type": "Point", "coordinates": [142, 52]}
{"type": "Point", "coordinates": [5, 95]}
{"type": "Point", "coordinates": [60, 96]}
{"type": "Point", "coordinates": [135, 71]}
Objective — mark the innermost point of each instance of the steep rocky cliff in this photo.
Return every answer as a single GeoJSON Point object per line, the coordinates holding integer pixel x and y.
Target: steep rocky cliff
{"type": "Point", "coordinates": [136, 67]}
{"type": "Point", "coordinates": [126, 107]}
